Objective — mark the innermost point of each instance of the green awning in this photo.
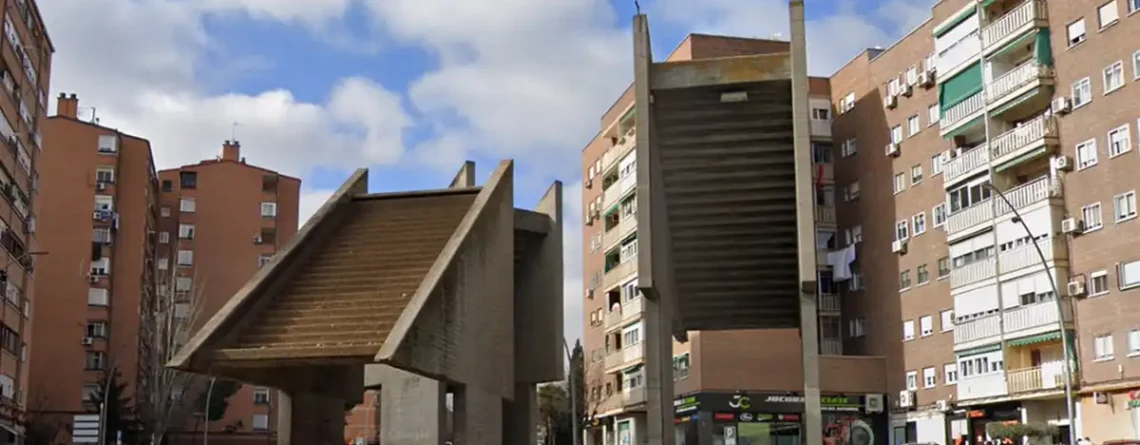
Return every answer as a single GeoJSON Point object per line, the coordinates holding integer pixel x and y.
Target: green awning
{"type": "Point", "coordinates": [1028, 95]}
{"type": "Point", "coordinates": [1015, 162]}
{"type": "Point", "coordinates": [1036, 339]}
{"type": "Point", "coordinates": [965, 128]}
{"type": "Point", "coordinates": [980, 350]}
{"type": "Point", "coordinates": [1044, 47]}
{"type": "Point", "coordinates": [949, 24]}
{"type": "Point", "coordinates": [612, 209]}
{"type": "Point", "coordinates": [960, 87]}
{"type": "Point", "coordinates": [1013, 45]}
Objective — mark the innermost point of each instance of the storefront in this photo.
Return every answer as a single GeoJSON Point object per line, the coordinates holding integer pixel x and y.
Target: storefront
{"type": "Point", "coordinates": [977, 418]}
{"type": "Point", "coordinates": [1114, 415]}
{"type": "Point", "coordinates": [773, 419]}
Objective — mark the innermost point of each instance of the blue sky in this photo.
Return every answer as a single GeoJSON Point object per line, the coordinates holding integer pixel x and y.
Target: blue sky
{"type": "Point", "coordinates": [408, 88]}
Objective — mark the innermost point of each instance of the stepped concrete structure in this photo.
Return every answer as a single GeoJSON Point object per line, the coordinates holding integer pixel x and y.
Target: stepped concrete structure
{"type": "Point", "coordinates": [418, 294]}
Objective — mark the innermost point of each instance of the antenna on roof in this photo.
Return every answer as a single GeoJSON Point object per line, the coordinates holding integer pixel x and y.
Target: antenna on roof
{"type": "Point", "coordinates": [94, 120]}
{"type": "Point", "coordinates": [637, 6]}
{"type": "Point", "coordinates": [233, 131]}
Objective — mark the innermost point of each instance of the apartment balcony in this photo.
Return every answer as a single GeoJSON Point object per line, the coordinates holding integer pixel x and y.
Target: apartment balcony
{"type": "Point", "coordinates": [1025, 257]}
{"type": "Point", "coordinates": [615, 154]}
{"type": "Point", "coordinates": [829, 303]}
{"type": "Point", "coordinates": [630, 310]}
{"type": "Point", "coordinates": [977, 332]}
{"type": "Point", "coordinates": [972, 273]}
{"type": "Point", "coordinates": [625, 227]}
{"type": "Point", "coordinates": [982, 386]}
{"type": "Point", "coordinates": [971, 218]}
{"type": "Point", "coordinates": [1033, 319]}
{"type": "Point", "coordinates": [611, 197]}
{"type": "Point", "coordinates": [1022, 143]}
{"type": "Point", "coordinates": [1029, 15]}
{"type": "Point", "coordinates": [1018, 82]}
{"type": "Point", "coordinates": [635, 396]}
{"type": "Point", "coordinates": [825, 215]}
{"type": "Point", "coordinates": [619, 274]}
{"type": "Point", "coordinates": [830, 346]}
{"type": "Point", "coordinates": [625, 357]}
{"type": "Point", "coordinates": [824, 169]}
{"type": "Point", "coordinates": [966, 165]}
{"type": "Point", "coordinates": [1048, 376]}
{"type": "Point", "coordinates": [961, 113]}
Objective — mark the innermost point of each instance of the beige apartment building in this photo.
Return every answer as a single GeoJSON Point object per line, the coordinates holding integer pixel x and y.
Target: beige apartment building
{"type": "Point", "coordinates": [981, 171]}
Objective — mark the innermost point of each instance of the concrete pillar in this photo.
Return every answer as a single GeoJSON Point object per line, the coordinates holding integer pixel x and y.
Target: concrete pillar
{"type": "Point", "coordinates": [478, 417]}
{"type": "Point", "coordinates": [309, 419]}
{"type": "Point", "coordinates": [412, 409]}
{"type": "Point", "coordinates": [521, 416]}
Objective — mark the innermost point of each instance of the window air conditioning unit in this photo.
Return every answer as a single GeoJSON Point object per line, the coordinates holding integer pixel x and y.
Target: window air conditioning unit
{"type": "Point", "coordinates": [926, 79]}
{"type": "Point", "coordinates": [88, 341]}
{"type": "Point", "coordinates": [891, 101]}
{"type": "Point", "coordinates": [1076, 288]}
{"type": "Point", "coordinates": [899, 247]}
{"type": "Point", "coordinates": [874, 403]}
{"type": "Point", "coordinates": [907, 89]}
{"type": "Point", "coordinates": [257, 239]}
{"type": "Point", "coordinates": [942, 405]}
{"type": "Point", "coordinates": [1072, 226]}
{"type": "Point", "coordinates": [893, 150]}
{"type": "Point", "coordinates": [1063, 163]}
{"type": "Point", "coordinates": [906, 399]}
{"type": "Point", "coordinates": [100, 186]}
{"type": "Point", "coordinates": [1062, 105]}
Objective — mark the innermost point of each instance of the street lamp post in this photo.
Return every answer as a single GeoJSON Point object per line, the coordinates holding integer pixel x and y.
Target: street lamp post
{"type": "Point", "coordinates": [206, 412]}
{"type": "Point", "coordinates": [573, 395]}
{"type": "Point", "coordinates": [1065, 347]}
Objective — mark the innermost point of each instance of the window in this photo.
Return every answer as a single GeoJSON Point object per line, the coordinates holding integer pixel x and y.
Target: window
{"type": "Point", "coordinates": [916, 174]}
{"type": "Point", "coordinates": [929, 378]}
{"type": "Point", "coordinates": [97, 329]}
{"type": "Point", "coordinates": [1091, 216]}
{"type": "Point", "coordinates": [1134, 342]}
{"type": "Point", "coordinates": [1098, 283]}
{"type": "Point", "coordinates": [934, 114]}
{"type": "Point", "coordinates": [101, 267]}
{"type": "Point", "coordinates": [1113, 77]}
{"type": "Point", "coordinates": [261, 395]}
{"type": "Point", "coordinates": [950, 373]}
{"type": "Point", "coordinates": [1136, 55]}
{"type": "Point", "coordinates": [1086, 154]}
{"type": "Point", "coordinates": [854, 235]}
{"type": "Point", "coordinates": [1125, 204]}
{"type": "Point", "coordinates": [89, 392]}
{"type": "Point", "coordinates": [163, 263]}
{"type": "Point", "coordinates": [947, 320]}
{"type": "Point", "coordinates": [919, 223]}
{"type": "Point", "coordinates": [851, 193]}
{"type": "Point", "coordinates": [820, 114]}
{"type": "Point", "coordinates": [186, 205]}
{"type": "Point", "coordinates": [850, 147]}
{"type": "Point", "coordinates": [943, 267]}
{"type": "Point", "coordinates": [260, 422]}
{"type": "Point", "coordinates": [911, 380]}
{"type": "Point", "coordinates": [939, 212]}
{"type": "Point", "coordinates": [900, 182]}
{"type": "Point", "coordinates": [908, 330]}
{"type": "Point", "coordinates": [923, 273]}
{"type": "Point", "coordinates": [1133, 6]}
{"type": "Point", "coordinates": [914, 125]}
{"type": "Point", "coordinates": [856, 282]}
{"type": "Point", "coordinates": [856, 327]}
{"type": "Point", "coordinates": [681, 366]}
{"type": "Point", "coordinates": [269, 209]}
{"type": "Point", "coordinates": [1077, 32]}
{"type": "Point", "coordinates": [94, 360]}
{"type": "Point", "coordinates": [1107, 14]}
{"type": "Point", "coordinates": [936, 165]}
{"type": "Point", "coordinates": [904, 280]}
{"type": "Point", "coordinates": [97, 297]}
{"type": "Point", "coordinates": [185, 257]}
{"type": "Point", "coordinates": [926, 325]}
{"type": "Point", "coordinates": [165, 212]}
{"type": "Point", "coordinates": [263, 259]}
{"type": "Point", "coordinates": [912, 75]}
{"type": "Point", "coordinates": [820, 153]}
{"type": "Point", "coordinates": [1082, 92]}
{"type": "Point", "coordinates": [188, 180]}
{"type": "Point", "coordinates": [163, 237]}
{"type": "Point", "coordinates": [902, 230]}
{"type": "Point", "coordinates": [104, 203]}
{"type": "Point", "coordinates": [102, 236]}
{"type": "Point", "coordinates": [186, 231]}
{"type": "Point", "coordinates": [105, 175]}
{"type": "Point", "coordinates": [897, 134]}
{"type": "Point", "coordinates": [183, 284]}
{"type": "Point", "coordinates": [848, 103]}
{"type": "Point", "coordinates": [108, 144]}
{"type": "Point", "coordinates": [167, 185]}
{"type": "Point", "coordinates": [1103, 349]}
{"type": "Point", "coordinates": [1128, 274]}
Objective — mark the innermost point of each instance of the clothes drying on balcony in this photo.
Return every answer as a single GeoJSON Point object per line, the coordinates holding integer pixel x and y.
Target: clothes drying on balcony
{"type": "Point", "coordinates": [840, 262]}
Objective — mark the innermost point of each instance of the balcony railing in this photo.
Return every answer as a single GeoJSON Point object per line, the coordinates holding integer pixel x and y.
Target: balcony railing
{"type": "Point", "coordinates": [1025, 256]}
{"type": "Point", "coordinates": [624, 356]}
{"type": "Point", "coordinates": [1048, 376]}
{"type": "Point", "coordinates": [613, 236]}
{"type": "Point", "coordinates": [633, 396]}
{"type": "Point", "coordinates": [829, 303]}
{"type": "Point", "coordinates": [965, 163]}
{"type": "Point", "coordinates": [830, 346]}
{"type": "Point", "coordinates": [1013, 22]}
{"type": "Point", "coordinates": [617, 152]}
{"type": "Point", "coordinates": [960, 111]}
{"type": "Point", "coordinates": [1024, 136]}
{"type": "Point", "coordinates": [1021, 196]}
{"type": "Point", "coordinates": [825, 214]}
{"type": "Point", "coordinates": [978, 329]}
{"type": "Point", "coordinates": [618, 274]}
{"type": "Point", "coordinates": [969, 217]}
{"type": "Point", "coordinates": [1016, 78]}
{"type": "Point", "coordinates": [1042, 314]}
{"type": "Point", "coordinates": [611, 196]}
{"type": "Point", "coordinates": [976, 387]}
{"type": "Point", "coordinates": [972, 273]}
{"type": "Point", "coordinates": [627, 311]}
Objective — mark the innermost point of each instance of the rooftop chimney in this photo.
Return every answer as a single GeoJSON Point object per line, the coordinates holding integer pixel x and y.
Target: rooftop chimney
{"type": "Point", "coordinates": [231, 151]}
{"type": "Point", "coordinates": [67, 106]}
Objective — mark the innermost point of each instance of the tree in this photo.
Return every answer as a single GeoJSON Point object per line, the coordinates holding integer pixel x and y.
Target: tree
{"type": "Point", "coordinates": [594, 395]}
{"type": "Point", "coordinates": [578, 391]}
{"type": "Point", "coordinates": [554, 413]}
{"type": "Point", "coordinates": [41, 427]}
{"type": "Point", "coordinates": [216, 397]}
{"type": "Point", "coordinates": [171, 312]}
{"type": "Point", "coordinates": [119, 414]}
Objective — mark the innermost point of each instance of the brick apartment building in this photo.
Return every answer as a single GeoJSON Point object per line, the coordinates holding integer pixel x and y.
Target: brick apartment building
{"type": "Point", "coordinates": [951, 308]}
{"type": "Point", "coordinates": [25, 67]}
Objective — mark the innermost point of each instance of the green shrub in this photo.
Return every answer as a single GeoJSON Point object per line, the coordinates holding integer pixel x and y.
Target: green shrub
{"type": "Point", "coordinates": [1000, 430]}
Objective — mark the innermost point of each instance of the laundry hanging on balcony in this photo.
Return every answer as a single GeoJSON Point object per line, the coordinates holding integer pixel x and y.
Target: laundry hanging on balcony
{"type": "Point", "coordinates": [840, 262]}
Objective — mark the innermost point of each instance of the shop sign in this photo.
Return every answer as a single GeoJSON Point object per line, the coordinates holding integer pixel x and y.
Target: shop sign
{"type": "Point", "coordinates": [772, 403]}
{"type": "Point", "coordinates": [1134, 399]}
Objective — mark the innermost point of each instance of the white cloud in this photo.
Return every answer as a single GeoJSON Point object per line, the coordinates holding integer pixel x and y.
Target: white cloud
{"type": "Point", "coordinates": [311, 200]}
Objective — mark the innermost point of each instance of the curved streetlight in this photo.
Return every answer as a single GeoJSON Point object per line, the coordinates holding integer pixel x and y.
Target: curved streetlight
{"type": "Point", "coordinates": [1067, 363]}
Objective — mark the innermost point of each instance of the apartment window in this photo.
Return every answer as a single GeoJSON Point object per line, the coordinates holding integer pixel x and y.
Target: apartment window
{"type": "Point", "coordinates": [851, 193]}
{"type": "Point", "coordinates": [950, 373]}
{"type": "Point", "coordinates": [947, 320]}
{"type": "Point", "coordinates": [912, 75]}
{"type": "Point", "coordinates": [260, 422]}
{"type": "Point", "coordinates": [164, 212]}
{"type": "Point", "coordinates": [1076, 32]}
{"type": "Point", "coordinates": [919, 223]}
{"type": "Point", "coordinates": [89, 392]}
{"type": "Point", "coordinates": [926, 325]}
{"type": "Point", "coordinates": [923, 274]}
{"type": "Point", "coordinates": [916, 174]}
{"type": "Point", "coordinates": [1098, 283]}
{"type": "Point", "coordinates": [911, 380]}
{"type": "Point", "coordinates": [1103, 349]}
{"type": "Point", "coordinates": [1091, 216]}
{"type": "Point", "coordinates": [104, 203]}
{"type": "Point", "coordinates": [1086, 154]}
{"type": "Point", "coordinates": [261, 395]}
{"type": "Point", "coordinates": [1135, 55]}
{"type": "Point", "coordinates": [163, 237]}
{"type": "Point", "coordinates": [897, 134]}
{"type": "Point", "coordinates": [939, 212]}
{"type": "Point", "coordinates": [820, 114]}
{"type": "Point", "coordinates": [1107, 14]}
{"type": "Point", "coordinates": [856, 282]}
{"type": "Point", "coordinates": [854, 235]}
{"type": "Point", "coordinates": [904, 280]}
{"type": "Point", "coordinates": [94, 360]}
{"type": "Point", "coordinates": [101, 267]}
{"type": "Point", "coordinates": [848, 103]}
{"type": "Point", "coordinates": [263, 259]}
{"type": "Point", "coordinates": [183, 284]}
{"type": "Point", "coordinates": [1134, 342]}
{"type": "Point", "coordinates": [186, 205]}
{"type": "Point", "coordinates": [1113, 77]}
{"type": "Point", "coordinates": [900, 182]}
{"type": "Point", "coordinates": [97, 297]}
{"type": "Point", "coordinates": [188, 180]}
{"type": "Point", "coordinates": [902, 230]}
{"type": "Point", "coordinates": [163, 263]}
{"type": "Point", "coordinates": [1082, 92]}
{"type": "Point", "coordinates": [108, 144]}
{"type": "Point", "coordinates": [1128, 274]}
{"type": "Point", "coordinates": [102, 236]}
{"type": "Point", "coordinates": [186, 231]}
{"type": "Point", "coordinates": [929, 378]}
{"type": "Point", "coordinates": [936, 165]}
{"type": "Point", "coordinates": [185, 257]}
{"type": "Point", "coordinates": [681, 366]}
{"type": "Point", "coordinates": [1125, 204]}
{"type": "Point", "coordinates": [269, 209]}
{"type": "Point", "coordinates": [934, 114]}
{"type": "Point", "coordinates": [856, 327]}
{"type": "Point", "coordinates": [914, 125]}
{"type": "Point", "coordinates": [167, 185]}
{"type": "Point", "coordinates": [850, 147]}
{"type": "Point", "coordinates": [908, 330]}
{"type": "Point", "coordinates": [105, 175]}
{"type": "Point", "coordinates": [97, 329]}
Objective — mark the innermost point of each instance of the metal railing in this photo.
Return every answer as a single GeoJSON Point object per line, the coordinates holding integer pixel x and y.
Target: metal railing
{"type": "Point", "coordinates": [1016, 78]}
{"type": "Point", "coordinates": [1014, 21]}
{"type": "Point", "coordinates": [1023, 136]}
{"type": "Point", "coordinates": [977, 329]}
{"type": "Point", "coordinates": [1024, 256]}
{"type": "Point", "coordinates": [961, 111]}
{"type": "Point", "coordinates": [1045, 377]}
{"type": "Point", "coordinates": [966, 162]}
{"type": "Point", "coordinates": [1031, 316]}
{"type": "Point", "coordinates": [972, 273]}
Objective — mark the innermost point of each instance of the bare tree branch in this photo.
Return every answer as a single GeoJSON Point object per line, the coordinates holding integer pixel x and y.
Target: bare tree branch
{"type": "Point", "coordinates": [595, 387]}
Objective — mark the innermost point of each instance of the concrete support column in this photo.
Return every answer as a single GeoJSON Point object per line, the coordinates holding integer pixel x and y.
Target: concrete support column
{"type": "Point", "coordinates": [478, 417]}
{"type": "Point", "coordinates": [413, 409]}
{"type": "Point", "coordinates": [519, 425]}
{"type": "Point", "coordinates": [309, 419]}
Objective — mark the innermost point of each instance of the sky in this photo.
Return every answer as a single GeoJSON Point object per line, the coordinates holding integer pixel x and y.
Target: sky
{"type": "Point", "coordinates": [408, 88]}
